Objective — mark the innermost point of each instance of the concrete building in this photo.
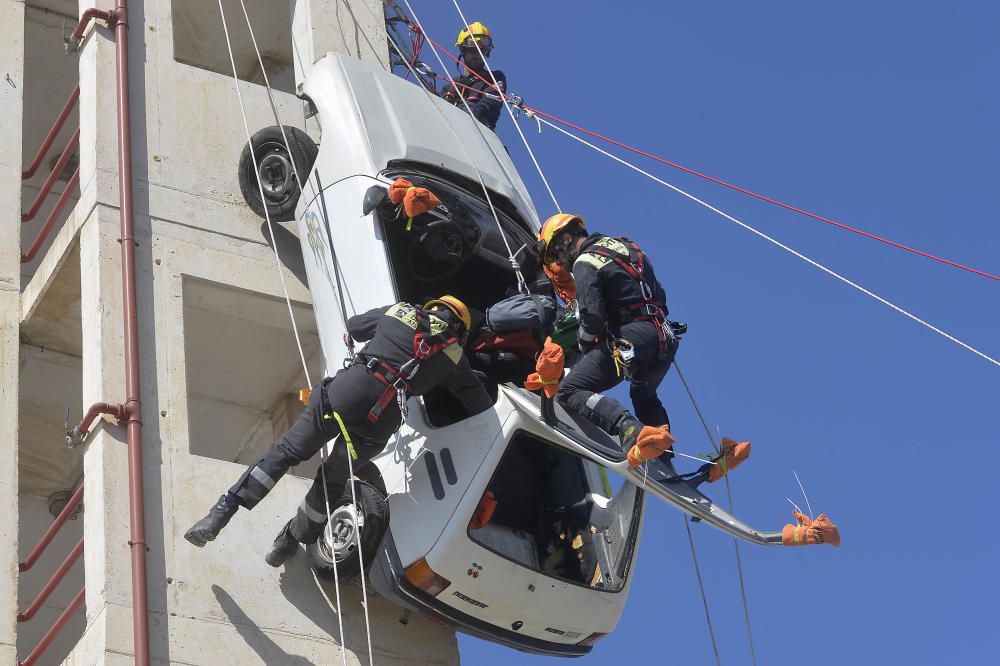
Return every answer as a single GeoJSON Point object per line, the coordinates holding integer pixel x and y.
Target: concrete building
{"type": "Point", "coordinates": [219, 367]}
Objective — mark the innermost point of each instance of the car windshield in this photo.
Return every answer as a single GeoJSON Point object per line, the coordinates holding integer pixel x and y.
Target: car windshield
{"type": "Point", "coordinates": [456, 248]}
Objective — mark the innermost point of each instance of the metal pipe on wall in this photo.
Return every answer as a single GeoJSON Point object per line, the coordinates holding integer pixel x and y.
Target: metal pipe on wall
{"type": "Point", "coordinates": [133, 403]}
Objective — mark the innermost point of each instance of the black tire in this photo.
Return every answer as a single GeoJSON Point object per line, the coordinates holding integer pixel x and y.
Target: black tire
{"type": "Point", "coordinates": [280, 187]}
{"type": "Point", "coordinates": [374, 509]}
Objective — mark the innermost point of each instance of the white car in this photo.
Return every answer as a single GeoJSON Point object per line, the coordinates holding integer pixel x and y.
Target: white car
{"type": "Point", "coordinates": [549, 570]}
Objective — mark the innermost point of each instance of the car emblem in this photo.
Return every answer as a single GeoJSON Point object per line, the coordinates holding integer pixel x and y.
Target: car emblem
{"type": "Point", "coordinates": [474, 570]}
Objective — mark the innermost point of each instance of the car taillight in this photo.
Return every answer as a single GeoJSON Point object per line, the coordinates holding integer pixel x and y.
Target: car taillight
{"type": "Point", "coordinates": [422, 576]}
{"type": "Point", "coordinates": [593, 638]}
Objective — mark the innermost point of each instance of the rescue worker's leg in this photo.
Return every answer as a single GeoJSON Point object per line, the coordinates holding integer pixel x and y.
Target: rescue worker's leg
{"type": "Point", "coordinates": [649, 370]}
{"type": "Point", "coordinates": [349, 399]}
{"type": "Point", "coordinates": [301, 442]}
{"type": "Point", "coordinates": [310, 518]}
{"type": "Point", "coordinates": [582, 391]}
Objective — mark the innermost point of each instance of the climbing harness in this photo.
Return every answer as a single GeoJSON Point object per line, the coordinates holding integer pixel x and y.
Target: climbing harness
{"type": "Point", "coordinates": [649, 309]}
{"type": "Point", "coordinates": [397, 380]}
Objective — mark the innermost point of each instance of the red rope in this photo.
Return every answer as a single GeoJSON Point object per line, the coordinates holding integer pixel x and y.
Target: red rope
{"type": "Point", "coordinates": [731, 186]}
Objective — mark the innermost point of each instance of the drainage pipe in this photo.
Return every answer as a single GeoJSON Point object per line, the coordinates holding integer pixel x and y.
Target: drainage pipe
{"type": "Point", "coordinates": [133, 405]}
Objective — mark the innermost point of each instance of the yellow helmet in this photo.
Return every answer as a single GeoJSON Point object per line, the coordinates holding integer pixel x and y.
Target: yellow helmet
{"type": "Point", "coordinates": [455, 306]}
{"type": "Point", "coordinates": [476, 31]}
{"type": "Point", "coordinates": [552, 226]}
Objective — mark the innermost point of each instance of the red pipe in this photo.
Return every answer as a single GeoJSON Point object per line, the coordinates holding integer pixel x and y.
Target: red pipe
{"type": "Point", "coordinates": [133, 404]}
{"type": "Point", "coordinates": [53, 176]}
{"type": "Point", "coordinates": [115, 411]}
{"type": "Point", "coordinates": [51, 634]}
{"type": "Point", "coordinates": [54, 528]}
{"type": "Point", "coordinates": [43, 233]}
{"type": "Point", "coordinates": [53, 582]}
{"type": "Point", "coordinates": [53, 133]}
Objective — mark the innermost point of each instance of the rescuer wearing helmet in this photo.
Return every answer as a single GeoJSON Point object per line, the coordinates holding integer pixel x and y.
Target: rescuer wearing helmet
{"type": "Point", "coordinates": [624, 332]}
{"type": "Point", "coordinates": [483, 99]}
{"type": "Point", "coordinates": [362, 405]}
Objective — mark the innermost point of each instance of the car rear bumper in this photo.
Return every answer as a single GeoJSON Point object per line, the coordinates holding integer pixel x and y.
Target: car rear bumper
{"type": "Point", "coordinates": [388, 578]}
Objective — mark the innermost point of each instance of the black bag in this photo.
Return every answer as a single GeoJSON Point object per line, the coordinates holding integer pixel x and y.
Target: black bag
{"type": "Point", "coordinates": [522, 311]}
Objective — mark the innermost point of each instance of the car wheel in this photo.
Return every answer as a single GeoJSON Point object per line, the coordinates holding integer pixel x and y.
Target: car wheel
{"type": "Point", "coordinates": [337, 549]}
{"type": "Point", "coordinates": [274, 164]}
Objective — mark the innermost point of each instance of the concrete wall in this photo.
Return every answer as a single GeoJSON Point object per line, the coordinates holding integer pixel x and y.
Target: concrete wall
{"type": "Point", "coordinates": [202, 349]}
{"type": "Point", "coordinates": [11, 90]}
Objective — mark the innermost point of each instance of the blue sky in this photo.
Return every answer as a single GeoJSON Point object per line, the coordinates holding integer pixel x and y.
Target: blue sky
{"type": "Point", "coordinates": [882, 116]}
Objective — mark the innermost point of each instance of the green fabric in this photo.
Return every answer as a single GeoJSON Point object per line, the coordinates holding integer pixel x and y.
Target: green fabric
{"type": "Point", "coordinates": [564, 332]}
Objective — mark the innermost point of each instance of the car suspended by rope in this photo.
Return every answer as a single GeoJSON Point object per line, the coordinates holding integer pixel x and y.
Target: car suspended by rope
{"type": "Point", "coordinates": [503, 524]}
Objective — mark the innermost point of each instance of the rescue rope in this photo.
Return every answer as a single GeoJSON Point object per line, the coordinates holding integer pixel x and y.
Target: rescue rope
{"type": "Point", "coordinates": [701, 584]}
{"type": "Point", "coordinates": [274, 245]}
{"type": "Point", "coordinates": [729, 495]}
{"type": "Point", "coordinates": [778, 244]}
{"type": "Point", "coordinates": [510, 112]}
{"type": "Point", "coordinates": [767, 199]}
{"type": "Point", "coordinates": [267, 215]}
{"type": "Point", "coordinates": [533, 112]}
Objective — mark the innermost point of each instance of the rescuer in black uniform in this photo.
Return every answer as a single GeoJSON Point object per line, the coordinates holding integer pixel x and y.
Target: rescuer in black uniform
{"type": "Point", "coordinates": [624, 332]}
{"type": "Point", "coordinates": [483, 99]}
{"type": "Point", "coordinates": [360, 404]}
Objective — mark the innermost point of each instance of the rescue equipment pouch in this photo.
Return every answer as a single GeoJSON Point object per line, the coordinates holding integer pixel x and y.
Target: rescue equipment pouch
{"type": "Point", "coordinates": [564, 330]}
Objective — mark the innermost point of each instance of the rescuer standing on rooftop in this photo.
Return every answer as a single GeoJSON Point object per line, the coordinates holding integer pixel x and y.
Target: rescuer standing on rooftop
{"type": "Point", "coordinates": [624, 333]}
{"type": "Point", "coordinates": [483, 99]}
{"type": "Point", "coordinates": [362, 406]}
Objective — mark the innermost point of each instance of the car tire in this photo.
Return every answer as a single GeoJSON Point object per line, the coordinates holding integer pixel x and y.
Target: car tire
{"type": "Point", "coordinates": [344, 558]}
{"type": "Point", "coordinates": [274, 159]}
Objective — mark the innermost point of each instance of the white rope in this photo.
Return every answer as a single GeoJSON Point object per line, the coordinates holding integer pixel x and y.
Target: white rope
{"type": "Point", "coordinates": [806, 497]}
{"type": "Point", "coordinates": [522, 283]}
{"type": "Point", "coordinates": [323, 455]}
{"type": "Point", "coordinates": [778, 244]}
{"type": "Point", "coordinates": [361, 557]}
{"type": "Point", "coordinates": [260, 186]}
{"type": "Point", "coordinates": [281, 274]}
{"type": "Point", "coordinates": [510, 111]}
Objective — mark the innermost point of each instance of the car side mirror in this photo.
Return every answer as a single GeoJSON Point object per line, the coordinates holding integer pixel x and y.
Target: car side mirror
{"type": "Point", "coordinates": [374, 197]}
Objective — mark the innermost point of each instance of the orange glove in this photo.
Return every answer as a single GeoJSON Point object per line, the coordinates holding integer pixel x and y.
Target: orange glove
{"type": "Point", "coordinates": [809, 531]}
{"type": "Point", "coordinates": [549, 369]}
{"type": "Point", "coordinates": [415, 200]}
{"type": "Point", "coordinates": [562, 281]}
{"type": "Point", "coordinates": [733, 453]}
{"type": "Point", "coordinates": [652, 442]}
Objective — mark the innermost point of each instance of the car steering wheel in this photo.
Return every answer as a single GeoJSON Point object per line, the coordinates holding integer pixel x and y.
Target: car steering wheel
{"type": "Point", "coordinates": [438, 252]}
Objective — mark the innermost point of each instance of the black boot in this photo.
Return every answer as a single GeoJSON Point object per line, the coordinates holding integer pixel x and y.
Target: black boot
{"type": "Point", "coordinates": [208, 528]}
{"type": "Point", "coordinates": [628, 428]}
{"type": "Point", "coordinates": [283, 548]}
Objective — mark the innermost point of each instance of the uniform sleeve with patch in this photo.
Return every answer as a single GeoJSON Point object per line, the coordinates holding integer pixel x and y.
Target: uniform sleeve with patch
{"type": "Point", "coordinates": [362, 327]}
